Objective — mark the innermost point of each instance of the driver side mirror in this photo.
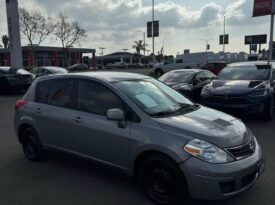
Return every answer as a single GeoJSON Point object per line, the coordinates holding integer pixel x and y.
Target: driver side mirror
{"type": "Point", "coordinates": [115, 114]}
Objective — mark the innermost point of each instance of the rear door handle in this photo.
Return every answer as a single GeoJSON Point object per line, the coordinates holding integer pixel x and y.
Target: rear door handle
{"type": "Point", "coordinates": [38, 110]}
{"type": "Point", "coordinates": [78, 119]}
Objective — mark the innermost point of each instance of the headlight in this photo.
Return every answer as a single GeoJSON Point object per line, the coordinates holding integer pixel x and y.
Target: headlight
{"type": "Point", "coordinates": [207, 152]}
{"type": "Point", "coordinates": [259, 91]}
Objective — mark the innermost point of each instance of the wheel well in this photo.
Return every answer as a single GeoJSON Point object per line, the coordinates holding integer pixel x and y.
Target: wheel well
{"type": "Point", "coordinates": [143, 156]}
{"type": "Point", "coordinates": [21, 130]}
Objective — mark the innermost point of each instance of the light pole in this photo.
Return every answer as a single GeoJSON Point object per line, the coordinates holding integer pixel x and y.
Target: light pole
{"type": "Point", "coordinates": [224, 33]}
{"type": "Point", "coordinates": [206, 43]}
{"type": "Point", "coordinates": [153, 38]}
{"type": "Point", "coordinates": [102, 49]}
{"type": "Point", "coordinates": [144, 45]}
{"type": "Point", "coordinates": [124, 49]}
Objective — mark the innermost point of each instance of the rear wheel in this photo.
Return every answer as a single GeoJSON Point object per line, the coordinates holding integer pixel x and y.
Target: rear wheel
{"type": "Point", "coordinates": [31, 145]}
{"type": "Point", "coordinates": [269, 110]}
{"type": "Point", "coordinates": [162, 180]}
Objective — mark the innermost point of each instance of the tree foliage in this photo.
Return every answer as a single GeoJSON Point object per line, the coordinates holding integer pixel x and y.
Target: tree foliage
{"type": "Point", "coordinates": [5, 41]}
{"type": "Point", "coordinates": [34, 26]}
{"type": "Point", "coordinates": [68, 32]}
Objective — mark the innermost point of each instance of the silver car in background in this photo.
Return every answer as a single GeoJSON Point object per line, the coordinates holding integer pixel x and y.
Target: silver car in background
{"type": "Point", "coordinates": [141, 126]}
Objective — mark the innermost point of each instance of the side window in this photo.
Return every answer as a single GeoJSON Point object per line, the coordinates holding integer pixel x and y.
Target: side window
{"type": "Point", "coordinates": [200, 77]}
{"type": "Point", "coordinates": [42, 92]}
{"type": "Point", "coordinates": [208, 75]}
{"type": "Point", "coordinates": [96, 98]}
{"type": "Point", "coordinates": [179, 61]}
{"type": "Point", "coordinates": [60, 92]}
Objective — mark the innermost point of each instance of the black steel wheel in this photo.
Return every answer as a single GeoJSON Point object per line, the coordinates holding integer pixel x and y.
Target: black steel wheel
{"type": "Point", "coordinates": [162, 180]}
{"type": "Point", "coordinates": [31, 145]}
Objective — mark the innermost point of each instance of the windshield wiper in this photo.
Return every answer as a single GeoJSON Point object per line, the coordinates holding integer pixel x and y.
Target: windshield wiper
{"type": "Point", "coordinates": [184, 107]}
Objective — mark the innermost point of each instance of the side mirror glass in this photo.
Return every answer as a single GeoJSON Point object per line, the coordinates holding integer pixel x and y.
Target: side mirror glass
{"type": "Point", "coordinates": [115, 114]}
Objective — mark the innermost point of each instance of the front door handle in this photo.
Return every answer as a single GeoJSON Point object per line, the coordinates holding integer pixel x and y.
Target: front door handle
{"type": "Point", "coordinates": [78, 119]}
{"type": "Point", "coordinates": [38, 110]}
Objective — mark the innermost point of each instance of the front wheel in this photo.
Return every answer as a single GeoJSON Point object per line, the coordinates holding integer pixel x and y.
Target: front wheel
{"type": "Point", "coordinates": [162, 180]}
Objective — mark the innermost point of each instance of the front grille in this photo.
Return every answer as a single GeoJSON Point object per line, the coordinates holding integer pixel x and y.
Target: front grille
{"type": "Point", "coordinates": [228, 99]}
{"type": "Point", "coordinates": [243, 151]}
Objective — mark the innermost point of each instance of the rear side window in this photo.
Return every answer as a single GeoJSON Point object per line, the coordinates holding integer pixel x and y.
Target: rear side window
{"type": "Point", "coordinates": [96, 98]}
{"type": "Point", "coordinates": [60, 92]}
{"type": "Point", "coordinates": [42, 92]}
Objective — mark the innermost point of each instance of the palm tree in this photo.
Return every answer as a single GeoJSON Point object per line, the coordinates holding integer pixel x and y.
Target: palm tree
{"type": "Point", "coordinates": [139, 47]}
{"type": "Point", "coordinates": [5, 40]}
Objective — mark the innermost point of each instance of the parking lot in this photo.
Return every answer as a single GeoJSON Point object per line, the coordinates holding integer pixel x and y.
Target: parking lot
{"type": "Point", "coordinates": [63, 180]}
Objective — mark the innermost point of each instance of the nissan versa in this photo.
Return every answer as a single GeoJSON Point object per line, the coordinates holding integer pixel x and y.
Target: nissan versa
{"type": "Point", "coordinates": [247, 87]}
{"type": "Point", "coordinates": [141, 126]}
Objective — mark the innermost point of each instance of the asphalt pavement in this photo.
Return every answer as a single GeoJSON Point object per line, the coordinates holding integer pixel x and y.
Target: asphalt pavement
{"type": "Point", "coordinates": [62, 180]}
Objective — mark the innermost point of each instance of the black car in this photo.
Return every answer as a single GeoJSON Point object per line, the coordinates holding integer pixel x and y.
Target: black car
{"type": "Point", "coordinates": [14, 79]}
{"type": "Point", "coordinates": [47, 70]}
{"type": "Point", "coordinates": [246, 87]}
{"type": "Point", "coordinates": [189, 82]}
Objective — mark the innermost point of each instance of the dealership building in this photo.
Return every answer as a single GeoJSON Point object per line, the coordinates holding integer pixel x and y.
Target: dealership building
{"type": "Point", "coordinates": [48, 56]}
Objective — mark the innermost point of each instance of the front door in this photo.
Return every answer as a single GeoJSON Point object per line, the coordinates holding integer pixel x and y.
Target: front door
{"type": "Point", "coordinates": [91, 134]}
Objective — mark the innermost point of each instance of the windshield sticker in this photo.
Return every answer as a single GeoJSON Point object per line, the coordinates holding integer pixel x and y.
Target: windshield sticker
{"type": "Point", "coordinates": [146, 100]}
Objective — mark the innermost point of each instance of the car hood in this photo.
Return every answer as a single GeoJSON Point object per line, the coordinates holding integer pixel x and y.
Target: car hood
{"type": "Point", "coordinates": [233, 86]}
{"type": "Point", "coordinates": [210, 125]}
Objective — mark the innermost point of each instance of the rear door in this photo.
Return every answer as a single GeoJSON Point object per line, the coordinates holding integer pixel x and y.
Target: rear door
{"type": "Point", "coordinates": [51, 111]}
{"type": "Point", "coordinates": [91, 134]}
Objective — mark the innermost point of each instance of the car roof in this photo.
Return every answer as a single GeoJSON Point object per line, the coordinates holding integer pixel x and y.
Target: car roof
{"type": "Point", "coordinates": [103, 75]}
{"type": "Point", "coordinates": [250, 63]}
{"type": "Point", "coordinates": [187, 70]}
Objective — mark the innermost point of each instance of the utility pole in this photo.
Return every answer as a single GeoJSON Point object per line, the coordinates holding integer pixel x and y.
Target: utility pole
{"type": "Point", "coordinates": [124, 49]}
{"type": "Point", "coordinates": [271, 39]}
{"type": "Point", "coordinates": [14, 34]}
{"type": "Point", "coordinates": [153, 38]}
{"type": "Point", "coordinates": [224, 34]}
{"type": "Point", "coordinates": [102, 49]}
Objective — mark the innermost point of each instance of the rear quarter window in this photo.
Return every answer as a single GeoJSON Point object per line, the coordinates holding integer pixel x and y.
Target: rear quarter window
{"type": "Point", "coordinates": [42, 92]}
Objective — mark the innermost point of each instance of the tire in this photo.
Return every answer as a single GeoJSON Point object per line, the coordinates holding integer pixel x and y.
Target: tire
{"type": "Point", "coordinates": [31, 145]}
{"type": "Point", "coordinates": [158, 73]}
{"type": "Point", "coordinates": [268, 114]}
{"type": "Point", "coordinates": [162, 180]}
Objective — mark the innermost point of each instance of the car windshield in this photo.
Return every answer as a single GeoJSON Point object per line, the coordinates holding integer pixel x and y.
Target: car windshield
{"type": "Point", "coordinates": [153, 97]}
{"type": "Point", "coordinates": [245, 72]}
{"type": "Point", "coordinates": [178, 77]}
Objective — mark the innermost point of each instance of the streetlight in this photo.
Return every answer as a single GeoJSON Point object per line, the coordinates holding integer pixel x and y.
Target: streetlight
{"type": "Point", "coordinates": [206, 43]}
{"type": "Point", "coordinates": [224, 33]}
{"type": "Point", "coordinates": [102, 49]}
{"type": "Point", "coordinates": [144, 45]}
{"type": "Point", "coordinates": [124, 49]}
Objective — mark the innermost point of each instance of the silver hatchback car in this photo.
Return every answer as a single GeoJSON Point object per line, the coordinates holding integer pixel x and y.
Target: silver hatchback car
{"type": "Point", "coordinates": [139, 125]}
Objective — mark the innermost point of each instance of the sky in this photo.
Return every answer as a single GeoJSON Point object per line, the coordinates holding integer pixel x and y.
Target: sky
{"type": "Point", "coordinates": [184, 24]}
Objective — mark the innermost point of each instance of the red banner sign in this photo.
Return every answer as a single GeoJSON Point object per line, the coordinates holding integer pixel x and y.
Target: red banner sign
{"type": "Point", "coordinates": [263, 7]}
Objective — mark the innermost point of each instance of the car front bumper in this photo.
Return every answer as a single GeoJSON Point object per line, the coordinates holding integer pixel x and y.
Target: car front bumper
{"type": "Point", "coordinates": [220, 181]}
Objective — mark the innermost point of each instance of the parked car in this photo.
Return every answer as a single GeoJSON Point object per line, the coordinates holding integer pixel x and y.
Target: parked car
{"type": "Point", "coordinates": [14, 79]}
{"type": "Point", "coordinates": [189, 82]}
{"type": "Point", "coordinates": [246, 87]}
{"type": "Point", "coordinates": [214, 67]}
{"type": "Point", "coordinates": [117, 65]}
{"type": "Point", "coordinates": [79, 67]}
{"type": "Point", "coordinates": [47, 70]}
{"type": "Point", "coordinates": [185, 61]}
{"type": "Point", "coordinates": [143, 127]}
